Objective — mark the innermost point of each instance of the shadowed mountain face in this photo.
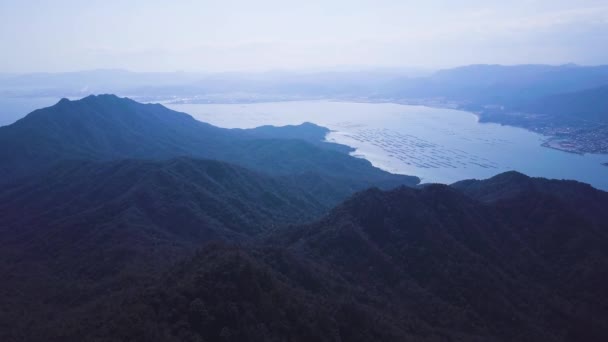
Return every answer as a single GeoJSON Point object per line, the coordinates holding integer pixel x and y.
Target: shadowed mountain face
{"type": "Point", "coordinates": [107, 127]}
{"type": "Point", "coordinates": [509, 258]}
{"type": "Point", "coordinates": [86, 226]}
{"type": "Point", "coordinates": [530, 265]}
{"type": "Point", "coordinates": [513, 190]}
{"type": "Point", "coordinates": [191, 190]}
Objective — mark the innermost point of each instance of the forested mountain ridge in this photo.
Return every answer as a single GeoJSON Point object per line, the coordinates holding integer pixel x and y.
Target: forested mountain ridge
{"type": "Point", "coordinates": [86, 228]}
{"type": "Point", "coordinates": [471, 262]}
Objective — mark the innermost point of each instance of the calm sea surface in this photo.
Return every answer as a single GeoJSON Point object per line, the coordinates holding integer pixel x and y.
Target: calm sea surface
{"type": "Point", "coordinates": [437, 145]}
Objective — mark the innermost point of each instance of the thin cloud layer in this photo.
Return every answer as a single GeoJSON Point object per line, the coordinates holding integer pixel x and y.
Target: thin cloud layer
{"type": "Point", "coordinates": [243, 35]}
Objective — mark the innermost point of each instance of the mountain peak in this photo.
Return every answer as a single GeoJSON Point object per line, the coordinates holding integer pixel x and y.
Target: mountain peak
{"type": "Point", "coordinates": [93, 98]}
{"type": "Point", "coordinates": [510, 176]}
{"type": "Point", "coordinates": [103, 97]}
{"type": "Point", "coordinates": [501, 178]}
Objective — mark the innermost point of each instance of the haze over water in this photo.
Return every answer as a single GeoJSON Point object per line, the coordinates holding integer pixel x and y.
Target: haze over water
{"type": "Point", "coordinates": [437, 145]}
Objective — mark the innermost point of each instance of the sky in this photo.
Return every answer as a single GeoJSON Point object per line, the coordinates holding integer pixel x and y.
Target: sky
{"type": "Point", "coordinates": [260, 35]}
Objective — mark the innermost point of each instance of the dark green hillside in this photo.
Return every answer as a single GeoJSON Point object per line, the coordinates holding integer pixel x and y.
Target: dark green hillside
{"type": "Point", "coordinates": [233, 294]}
{"type": "Point", "coordinates": [88, 226]}
{"type": "Point", "coordinates": [430, 264]}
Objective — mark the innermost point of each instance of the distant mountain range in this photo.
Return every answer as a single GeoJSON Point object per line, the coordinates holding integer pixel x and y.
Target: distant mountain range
{"type": "Point", "coordinates": [479, 85]}
{"type": "Point", "coordinates": [532, 88]}
{"type": "Point", "coordinates": [589, 105]}
{"type": "Point", "coordinates": [121, 221]}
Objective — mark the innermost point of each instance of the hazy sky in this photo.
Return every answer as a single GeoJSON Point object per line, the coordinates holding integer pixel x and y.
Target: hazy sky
{"type": "Point", "coordinates": [151, 35]}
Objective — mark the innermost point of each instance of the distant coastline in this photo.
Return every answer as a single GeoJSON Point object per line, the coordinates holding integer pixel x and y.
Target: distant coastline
{"type": "Point", "coordinates": [562, 146]}
{"type": "Point", "coordinates": [566, 135]}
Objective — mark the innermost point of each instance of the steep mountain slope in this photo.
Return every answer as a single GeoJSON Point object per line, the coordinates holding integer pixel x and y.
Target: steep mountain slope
{"type": "Point", "coordinates": [87, 228]}
{"type": "Point", "coordinates": [107, 127]}
{"type": "Point", "coordinates": [534, 271]}
{"type": "Point", "coordinates": [234, 294]}
{"type": "Point", "coordinates": [524, 263]}
{"type": "Point", "coordinates": [76, 187]}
